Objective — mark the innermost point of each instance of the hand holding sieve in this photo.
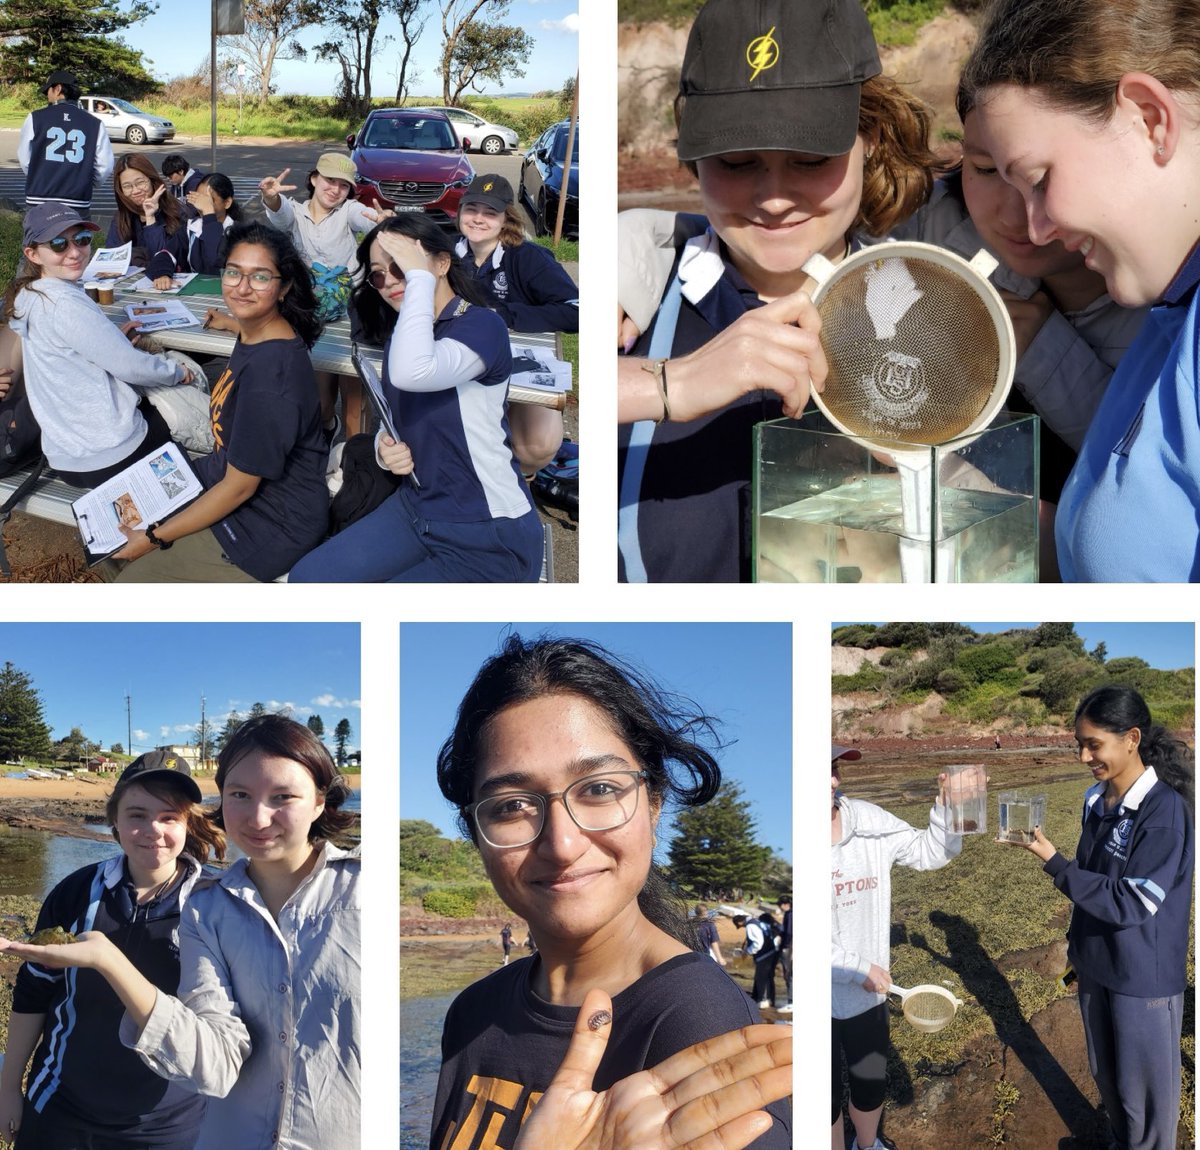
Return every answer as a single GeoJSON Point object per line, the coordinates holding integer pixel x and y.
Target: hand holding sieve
{"type": "Point", "coordinates": [921, 351]}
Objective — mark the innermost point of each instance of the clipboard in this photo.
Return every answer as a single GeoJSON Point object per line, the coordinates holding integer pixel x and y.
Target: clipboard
{"type": "Point", "coordinates": [379, 404]}
{"type": "Point", "coordinates": [152, 488]}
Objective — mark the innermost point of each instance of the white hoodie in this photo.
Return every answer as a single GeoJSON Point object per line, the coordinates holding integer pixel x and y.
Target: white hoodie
{"type": "Point", "coordinates": [872, 840]}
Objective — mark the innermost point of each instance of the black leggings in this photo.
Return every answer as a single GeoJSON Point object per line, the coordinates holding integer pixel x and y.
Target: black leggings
{"type": "Point", "coordinates": [864, 1041]}
{"type": "Point", "coordinates": [157, 433]}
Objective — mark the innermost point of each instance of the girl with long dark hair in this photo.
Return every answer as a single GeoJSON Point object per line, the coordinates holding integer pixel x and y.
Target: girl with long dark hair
{"type": "Point", "coordinates": [466, 514]}
{"type": "Point", "coordinates": [265, 501]}
{"type": "Point", "coordinates": [150, 219]}
{"type": "Point", "coordinates": [560, 763]}
{"type": "Point", "coordinates": [1131, 885]}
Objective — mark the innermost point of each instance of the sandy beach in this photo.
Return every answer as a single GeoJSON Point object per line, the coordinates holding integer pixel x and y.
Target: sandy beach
{"type": "Point", "coordinates": [66, 806]}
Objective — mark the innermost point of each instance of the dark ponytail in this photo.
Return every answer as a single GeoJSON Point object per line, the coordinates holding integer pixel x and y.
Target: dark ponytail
{"type": "Point", "coordinates": [1118, 709]}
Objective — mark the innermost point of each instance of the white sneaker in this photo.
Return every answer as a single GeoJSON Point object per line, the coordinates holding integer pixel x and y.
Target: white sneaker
{"type": "Point", "coordinates": [764, 1005]}
{"type": "Point", "coordinates": [786, 1008]}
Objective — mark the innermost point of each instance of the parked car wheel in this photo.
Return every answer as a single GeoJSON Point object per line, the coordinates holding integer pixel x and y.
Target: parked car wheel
{"type": "Point", "coordinates": [492, 146]}
{"type": "Point", "coordinates": [135, 134]}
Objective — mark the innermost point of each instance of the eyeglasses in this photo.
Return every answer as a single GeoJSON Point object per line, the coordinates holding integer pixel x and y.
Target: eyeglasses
{"type": "Point", "coordinates": [378, 278]}
{"type": "Point", "coordinates": [59, 244]}
{"type": "Point", "coordinates": [142, 185]}
{"type": "Point", "coordinates": [259, 281]}
{"type": "Point", "coordinates": [596, 803]}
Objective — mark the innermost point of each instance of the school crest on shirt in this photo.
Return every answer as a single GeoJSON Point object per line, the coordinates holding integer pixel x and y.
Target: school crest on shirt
{"type": "Point", "coordinates": [1118, 839]}
{"type": "Point", "coordinates": [500, 285]}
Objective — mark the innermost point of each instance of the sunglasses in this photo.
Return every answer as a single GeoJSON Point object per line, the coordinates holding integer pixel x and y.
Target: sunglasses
{"type": "Point", "coordinates": [59, 244]}
{"type": "Point", "coordinates": [378, 278]}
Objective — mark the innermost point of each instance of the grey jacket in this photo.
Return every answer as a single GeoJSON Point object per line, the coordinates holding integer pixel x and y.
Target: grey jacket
{"type": "Point", "coordinates": [267, 1021]}
{"type": "Point", "coordinates": [78, 372]}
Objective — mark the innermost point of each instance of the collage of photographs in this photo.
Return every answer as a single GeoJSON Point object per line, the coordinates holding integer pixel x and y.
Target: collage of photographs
{"type": "Point", "coordinates": [294, 294]}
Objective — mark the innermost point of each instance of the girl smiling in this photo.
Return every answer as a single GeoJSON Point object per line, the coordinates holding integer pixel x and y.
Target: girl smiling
{"type": "Point", "coordinates": [560, 762]}
{"type": "Point", "coordinates": [266, 1021]}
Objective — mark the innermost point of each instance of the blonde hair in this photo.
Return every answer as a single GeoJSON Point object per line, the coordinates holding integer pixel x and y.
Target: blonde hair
{"type": "Point", "coordinates": [1076, 51]}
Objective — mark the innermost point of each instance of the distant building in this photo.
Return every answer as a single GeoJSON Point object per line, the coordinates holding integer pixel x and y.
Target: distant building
{"type": "Point", "coordinates": [189, 757]}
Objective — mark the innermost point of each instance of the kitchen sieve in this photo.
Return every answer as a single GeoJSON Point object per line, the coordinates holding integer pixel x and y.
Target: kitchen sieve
{"type": "Point", "coordinates": [928, 1008]}
{"type": "Point", "coordinates": [921, 352]}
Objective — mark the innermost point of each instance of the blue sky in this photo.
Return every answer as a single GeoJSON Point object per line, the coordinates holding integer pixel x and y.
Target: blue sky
{"type": "Point", "coordinates": [740, 673]}
{"type": "Point", "coordinates": [84, 670]}
{"type": "Point", "coordinates": [176, 41]}
{"type": "Point", "coordinates": [1167, 646]}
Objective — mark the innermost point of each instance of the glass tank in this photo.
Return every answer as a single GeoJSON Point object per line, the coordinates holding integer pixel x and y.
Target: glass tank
{"type": "Point", "coordinates": [1020, 812]}
{"type": "Point", "coordinates": [829, 509]}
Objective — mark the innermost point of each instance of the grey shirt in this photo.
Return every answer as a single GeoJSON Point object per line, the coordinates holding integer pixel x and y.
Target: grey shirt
{"type": "Point", "coordinates": [267, 1020]}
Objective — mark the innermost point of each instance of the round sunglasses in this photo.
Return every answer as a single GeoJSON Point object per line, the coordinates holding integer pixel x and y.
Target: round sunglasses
{"type": "Point", "coordinates": [59, 244]}
{"type": "Point", "coordinates": [378, 277]}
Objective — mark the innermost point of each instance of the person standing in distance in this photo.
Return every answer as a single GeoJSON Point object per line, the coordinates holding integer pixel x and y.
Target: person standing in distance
{"type": "Point", "coordinates": [62, 149]}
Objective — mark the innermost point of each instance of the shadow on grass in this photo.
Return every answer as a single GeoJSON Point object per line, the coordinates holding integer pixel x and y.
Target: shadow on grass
{"type": "Point", "coordinates": [982, 978]}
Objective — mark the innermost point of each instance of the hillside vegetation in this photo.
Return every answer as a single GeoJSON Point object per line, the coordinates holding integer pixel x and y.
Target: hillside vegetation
{"type": "Point", "coordinates": [1028, 678]}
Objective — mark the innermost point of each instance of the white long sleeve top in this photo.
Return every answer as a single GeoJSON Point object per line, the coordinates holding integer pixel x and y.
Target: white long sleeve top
{"type": "Point", "coordinates": [267, 1021]}
{"type": "Point", "coordinates": [873, 840]}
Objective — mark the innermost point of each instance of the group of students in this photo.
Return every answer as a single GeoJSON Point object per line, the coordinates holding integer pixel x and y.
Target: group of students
{"type": "Point", "coordinates": [807, 148]}
{"type": "Point", "coordinates": [441, 306]}
{"type": "Point", "coordinates": [1130, 886]}
{"type": "Point", "coordinates": [196, 1010]}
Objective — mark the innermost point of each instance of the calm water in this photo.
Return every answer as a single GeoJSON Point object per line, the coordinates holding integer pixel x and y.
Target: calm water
{"type": "Point", "coordinates": [420, 1057]}
{"type": "Point", "coordinates": [33, 862]}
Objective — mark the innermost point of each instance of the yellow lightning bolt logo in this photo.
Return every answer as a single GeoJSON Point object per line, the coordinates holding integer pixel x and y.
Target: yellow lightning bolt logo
{"type": "Point", "coordinates": [762, 53]}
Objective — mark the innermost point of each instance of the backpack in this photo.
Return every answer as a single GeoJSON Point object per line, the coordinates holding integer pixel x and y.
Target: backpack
{"type": "Point", "coordinates": [20, 447]}
{"type": "Point", "coordinates": [365, 485]}
{"type": "Point", "coordinates": [558, 482]}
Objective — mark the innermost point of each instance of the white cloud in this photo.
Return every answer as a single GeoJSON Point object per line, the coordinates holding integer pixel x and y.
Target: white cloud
{"type": "Point", "coordinates": [328, 700]}
{"type": "Point", "coordinates": [139, 736]}
{"type": "Point", "coordinates": [569, 23]}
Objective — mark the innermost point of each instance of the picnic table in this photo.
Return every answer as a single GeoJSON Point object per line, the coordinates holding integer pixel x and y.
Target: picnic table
{"type": "Point", "coordinates": [51, 499]}
{"type": "Point", "coordinates": [330, 353]}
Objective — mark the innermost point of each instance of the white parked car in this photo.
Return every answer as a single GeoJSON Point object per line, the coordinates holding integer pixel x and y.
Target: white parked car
{"type": "Point", "coordinates": [123, 121]}
{"type": "Point", "coordinates": [475, 134]}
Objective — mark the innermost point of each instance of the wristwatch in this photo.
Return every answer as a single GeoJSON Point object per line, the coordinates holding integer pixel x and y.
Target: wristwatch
{"type": "Point", "coordinates": [161, 544]}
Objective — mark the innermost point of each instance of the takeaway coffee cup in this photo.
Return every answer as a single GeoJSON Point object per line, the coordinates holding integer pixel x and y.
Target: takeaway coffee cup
{"type": "Point", "coordinates": [104, 294]}
{"type": "Point", "coordinates": [93, 291]}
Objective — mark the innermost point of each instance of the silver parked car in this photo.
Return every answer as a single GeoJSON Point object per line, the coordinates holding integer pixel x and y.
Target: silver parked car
{"type": "Point", "coordinates": [475, 134]}
{"type": "Point", "coordinates": [123, 121]}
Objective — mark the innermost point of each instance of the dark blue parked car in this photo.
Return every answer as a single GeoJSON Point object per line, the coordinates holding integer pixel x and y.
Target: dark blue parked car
{"type": "Point", "coordinates": [541, 180]}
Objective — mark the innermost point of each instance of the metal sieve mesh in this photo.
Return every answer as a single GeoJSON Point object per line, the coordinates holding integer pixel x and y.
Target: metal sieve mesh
{"type": "Point", "coordinates": [928, 1010]}
{"type": "Point", "coordinates": [914, 352]}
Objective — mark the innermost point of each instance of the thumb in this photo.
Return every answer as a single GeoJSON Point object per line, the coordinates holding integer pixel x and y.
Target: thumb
{"type": "Point", "coordinates": [588, 1043]}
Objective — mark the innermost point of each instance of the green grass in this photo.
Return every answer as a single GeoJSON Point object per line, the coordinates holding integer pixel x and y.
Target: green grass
{"type": "Point", "coordinates": [10, 245]}
{"type": "Point", "coordinates": [954, 926]}
{"type": "Point", "coordinates": [306, 117]}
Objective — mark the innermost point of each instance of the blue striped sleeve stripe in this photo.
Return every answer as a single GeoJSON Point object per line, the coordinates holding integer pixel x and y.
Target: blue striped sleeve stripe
{"type": "Point", "coordinates": [1143, 887]}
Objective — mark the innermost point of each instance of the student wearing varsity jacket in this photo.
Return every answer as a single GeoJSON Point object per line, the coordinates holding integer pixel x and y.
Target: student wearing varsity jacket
{"type": "Point", "coordinates": [62, 149]}
{"type": "Point", "coordinates": [1130, 882]}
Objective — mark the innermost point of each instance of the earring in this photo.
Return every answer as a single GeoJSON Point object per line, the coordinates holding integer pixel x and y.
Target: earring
{"type": "Point", "coordinates": [1160, 150]}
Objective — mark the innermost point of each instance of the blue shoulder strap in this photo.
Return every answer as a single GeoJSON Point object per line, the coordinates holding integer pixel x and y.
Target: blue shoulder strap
{"type": "Point", "coordinates": [638, 450]}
